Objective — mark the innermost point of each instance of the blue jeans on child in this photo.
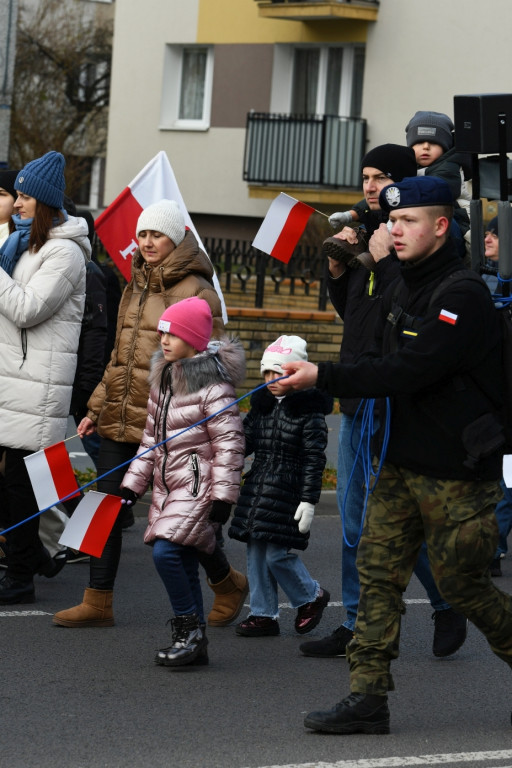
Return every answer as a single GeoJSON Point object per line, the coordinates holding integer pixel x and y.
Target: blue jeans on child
{"type": "Point", "coordinates": [271, 564]}
{"type": "Point", "coordinates": [178, 567]}
{"type": "Point", "coordinates": [349, 437]}
{"type": "Point", "coordinates": [503, 514]}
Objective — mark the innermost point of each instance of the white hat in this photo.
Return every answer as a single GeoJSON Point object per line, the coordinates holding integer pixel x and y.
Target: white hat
{"type": "Point", "coordinates": [287, 349]}
{"type": "Point", "coordinates": [165, 217]}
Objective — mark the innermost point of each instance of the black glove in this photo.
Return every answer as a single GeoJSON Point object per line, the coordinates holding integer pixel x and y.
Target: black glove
{"type": "Point", "coordinates": [79, 400]}
{"type": "Point", "coordinates": [220, 512]}
{"type": "Point", "coordinates": [128, 496]}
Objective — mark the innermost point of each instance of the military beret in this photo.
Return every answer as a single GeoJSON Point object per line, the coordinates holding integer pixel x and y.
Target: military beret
{"type": "Point", "coordinates": [415, 191]}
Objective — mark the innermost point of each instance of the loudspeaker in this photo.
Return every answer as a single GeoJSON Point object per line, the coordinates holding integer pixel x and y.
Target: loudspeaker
{"type": "Point", "coordinates": [476, 120]}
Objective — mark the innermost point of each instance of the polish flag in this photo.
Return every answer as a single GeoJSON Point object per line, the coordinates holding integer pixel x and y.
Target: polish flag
{"type": "Point", "coordinates": [282, 227]}
{"type": "Point", "coordinates": [89, 527]}
{"type": "Point", "coordinates": [116, 225]}
{"type": "Point", "coordinates": [51, 475]}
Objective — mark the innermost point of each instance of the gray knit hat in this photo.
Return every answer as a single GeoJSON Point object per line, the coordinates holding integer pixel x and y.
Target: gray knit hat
{"type": "Point", "coordinates": [44, 179]}
{"type": "Point", "coordinates": [434, 127]}
{"type": "Point", "coordinates": [165, 217]}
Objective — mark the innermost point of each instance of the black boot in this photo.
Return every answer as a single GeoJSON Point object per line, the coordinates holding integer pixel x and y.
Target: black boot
{"type": "Point", "coordinates": [450, 630]}
{"type": "Point", "coordinates": [12, 591]}
{"type": "Point", "coordinates": [188, 643]}
{"type": "Point", "coordinates": [358, 713]}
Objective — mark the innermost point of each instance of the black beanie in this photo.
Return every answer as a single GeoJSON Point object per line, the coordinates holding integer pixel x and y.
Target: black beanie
{"type": "Point", "coordinates": [493, 226]}
{"type": "Point", "coordinates": [394, 160]}
{"type": "Point", "coordinates": [7, 179]}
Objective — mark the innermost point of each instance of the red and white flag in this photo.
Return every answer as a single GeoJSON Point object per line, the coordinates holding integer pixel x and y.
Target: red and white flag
{"type": "Point", "coordinates": [51, 475]}
{"type": "Point", "coordinates": [116, 225]}
{"type": "Point", "coordinates": [282, 227]}
{"type": "Point", "coordinates": [89, 527]}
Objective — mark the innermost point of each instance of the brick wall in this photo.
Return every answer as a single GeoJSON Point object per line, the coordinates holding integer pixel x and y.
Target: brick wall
{"type": "Point", "coordinates": [256, 328]}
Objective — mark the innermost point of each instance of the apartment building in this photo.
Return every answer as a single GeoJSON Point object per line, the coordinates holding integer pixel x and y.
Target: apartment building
{"type": "Point", "coordinates": [249, 98]}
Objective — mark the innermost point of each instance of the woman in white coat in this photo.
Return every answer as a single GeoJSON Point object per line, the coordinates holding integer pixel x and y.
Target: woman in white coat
{"type": "Point", "coordinates": [42, 293]}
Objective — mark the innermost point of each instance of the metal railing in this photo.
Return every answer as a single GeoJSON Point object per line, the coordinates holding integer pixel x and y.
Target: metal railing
{"type": "Point", "coordinates": [243, 269]}
{"type": "Point", "coordinates": [304, 149]}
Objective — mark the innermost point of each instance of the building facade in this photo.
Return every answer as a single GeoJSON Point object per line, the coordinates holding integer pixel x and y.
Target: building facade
{"type": "Point", "coordinates": [249, 98]}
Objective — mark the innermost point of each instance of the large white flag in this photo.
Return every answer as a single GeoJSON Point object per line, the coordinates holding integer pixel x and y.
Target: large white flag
{"type": "Point", "coordinates": [116, 225]}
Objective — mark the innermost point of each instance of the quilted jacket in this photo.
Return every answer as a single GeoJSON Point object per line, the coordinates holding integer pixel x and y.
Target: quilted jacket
{"type": "Point", "coordinates": [118, 405]}
{"type": "Point", "coordinates": [203, 459]}
{"type": "Point", "coordinates": [41, 308]}
{"type": "Point", "coordinates": [288, 438]}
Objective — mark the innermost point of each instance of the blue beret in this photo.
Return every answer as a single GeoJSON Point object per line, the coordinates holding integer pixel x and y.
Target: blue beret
{"type": "Point", "coordinates": [415, 191]}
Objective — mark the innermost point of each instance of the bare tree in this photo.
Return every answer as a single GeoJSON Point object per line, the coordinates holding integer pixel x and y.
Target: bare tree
{"type": "Point", "coordinates": [61, 85]}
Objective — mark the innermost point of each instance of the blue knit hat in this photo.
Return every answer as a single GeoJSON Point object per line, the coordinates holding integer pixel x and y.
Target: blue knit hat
{"type": "Point", "coordinates": [415, 191]}
{"type": "Point", "coordinates": [44, 179]}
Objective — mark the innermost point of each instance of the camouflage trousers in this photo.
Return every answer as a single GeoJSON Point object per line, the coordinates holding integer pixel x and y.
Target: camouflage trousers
{"type": "Point", "coordinates": [457, 520]}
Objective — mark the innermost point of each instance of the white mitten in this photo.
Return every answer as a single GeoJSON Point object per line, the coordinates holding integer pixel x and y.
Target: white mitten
{"type": "Point", "coordinates": [340, 219]}
{"type": "Point", "coordinates": [304, 514]}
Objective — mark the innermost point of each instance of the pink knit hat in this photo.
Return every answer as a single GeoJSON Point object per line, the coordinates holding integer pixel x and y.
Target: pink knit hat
{"type": "Point", "coordinates": [190, 320]}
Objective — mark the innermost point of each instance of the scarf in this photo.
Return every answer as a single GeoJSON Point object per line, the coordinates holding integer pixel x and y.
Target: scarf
{"type": "Point", "coordinates": [15, 244]}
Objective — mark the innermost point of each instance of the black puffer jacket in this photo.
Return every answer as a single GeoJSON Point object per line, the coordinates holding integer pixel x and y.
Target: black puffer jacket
{"type": "Point", "coordinates": [288, 438]}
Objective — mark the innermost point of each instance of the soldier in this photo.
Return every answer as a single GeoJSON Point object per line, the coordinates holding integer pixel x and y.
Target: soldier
{"type": "Point", "coordinates": [440, 362]}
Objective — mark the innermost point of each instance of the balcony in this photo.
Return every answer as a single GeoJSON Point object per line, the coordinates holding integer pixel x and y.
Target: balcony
{"type": "Point", "coordinates": [304, 150]}
{"type": "Point", "coordinates": [319, 10]}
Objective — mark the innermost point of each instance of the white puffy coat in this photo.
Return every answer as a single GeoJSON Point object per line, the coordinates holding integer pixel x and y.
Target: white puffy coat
{"type": "Point", "coordinates": [41, 309]}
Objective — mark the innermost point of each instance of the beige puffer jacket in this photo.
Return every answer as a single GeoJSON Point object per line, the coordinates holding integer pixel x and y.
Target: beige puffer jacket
{"type": "Point", "coordinates": [118, 405]}
{"type": "Point", "coordinates": [41, 308]}
{"type": "Point", "coordinates": [200, 464]}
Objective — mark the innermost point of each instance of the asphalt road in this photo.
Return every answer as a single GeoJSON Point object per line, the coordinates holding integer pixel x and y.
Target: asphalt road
{"type": "Point", "coordinates": [93, 698]}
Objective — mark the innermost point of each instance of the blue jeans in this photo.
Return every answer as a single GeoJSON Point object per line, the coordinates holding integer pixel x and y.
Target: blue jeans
{"type": "Point", "coordinates": [178, 567]}
{"type": "Point", "coordinates": [271, 564]}
{"type": "Point", "coordinates": [91, 444]}
{"type": "Point", "coordinates": [503, 514]}
{"type": "Point", "coordinates": [352, 521]}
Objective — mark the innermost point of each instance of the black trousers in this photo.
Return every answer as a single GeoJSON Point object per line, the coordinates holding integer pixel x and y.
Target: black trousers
{"type": "Point", "coordinates": [26, 552]}
{"type": "Point", "coordinates": [103, 570]}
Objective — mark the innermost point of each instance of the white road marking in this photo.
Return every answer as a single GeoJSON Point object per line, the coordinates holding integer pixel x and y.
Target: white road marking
{"type": "Point", "coordinates": [24, 613]}
{"type": "Point", "coordinates": [409, 761]}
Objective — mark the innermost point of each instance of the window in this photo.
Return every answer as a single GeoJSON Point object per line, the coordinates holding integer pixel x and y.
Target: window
{"type": "Point", "coordinates": [318, 80]}
{"type": "Point", "coordinates": [187, 85]}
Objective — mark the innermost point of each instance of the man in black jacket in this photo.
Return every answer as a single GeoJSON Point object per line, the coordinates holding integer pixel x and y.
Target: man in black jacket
{"type": "Point", "coordinates": [439, 359]}
{"type": "Point", "coordinates": [356, 294]}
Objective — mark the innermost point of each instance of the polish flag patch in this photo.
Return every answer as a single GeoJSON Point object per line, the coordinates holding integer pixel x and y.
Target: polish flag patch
{"type": "Point", "coordinates": [448, 317]}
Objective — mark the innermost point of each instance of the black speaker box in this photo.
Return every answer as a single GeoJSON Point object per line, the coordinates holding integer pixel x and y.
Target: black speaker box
{"type": "Point", "coordinates": [476, 119]}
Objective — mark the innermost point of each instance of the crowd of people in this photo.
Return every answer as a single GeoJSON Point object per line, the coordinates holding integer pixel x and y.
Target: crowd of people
{"type": "Point", "coordinates": [160, 396]}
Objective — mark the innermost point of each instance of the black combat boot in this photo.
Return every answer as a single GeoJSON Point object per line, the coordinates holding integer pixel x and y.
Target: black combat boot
{"type": "Point", "coordinates": [358, 713]}
{"type": "Point", "coordinates": [188, 643]}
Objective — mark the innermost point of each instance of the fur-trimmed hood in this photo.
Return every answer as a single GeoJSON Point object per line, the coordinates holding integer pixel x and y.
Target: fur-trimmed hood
{"type": "Point", "coordinates": [222, 361]}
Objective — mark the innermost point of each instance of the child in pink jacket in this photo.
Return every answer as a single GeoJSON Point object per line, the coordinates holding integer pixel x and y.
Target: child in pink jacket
{"type": "Point", "coordinates": [196, 474]}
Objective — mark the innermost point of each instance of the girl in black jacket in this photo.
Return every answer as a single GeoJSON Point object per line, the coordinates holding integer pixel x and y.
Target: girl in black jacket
{"type": "Point", "coordinates": [288, 436]}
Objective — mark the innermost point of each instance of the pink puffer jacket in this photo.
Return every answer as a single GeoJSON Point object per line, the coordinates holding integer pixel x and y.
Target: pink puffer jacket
{"type": "Point", "coordinates": [202, 464]}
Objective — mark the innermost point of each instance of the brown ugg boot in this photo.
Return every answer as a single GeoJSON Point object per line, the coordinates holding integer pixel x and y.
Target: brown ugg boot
{"type": "Point", "coordinates": [94, 611]}
{"type": "Point", "coordinates": [230, 594]}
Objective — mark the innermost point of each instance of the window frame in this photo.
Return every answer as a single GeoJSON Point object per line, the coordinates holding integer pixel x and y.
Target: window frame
{"type": "Point", "coordinates": [172, 86]}
{"type": "Point", "coordinates": [282, 81]}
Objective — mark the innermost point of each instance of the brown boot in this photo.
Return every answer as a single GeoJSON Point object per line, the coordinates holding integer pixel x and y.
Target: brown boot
{"type": "Point", "coordinates": [94, 611]}
{"type": "Point", "coordinates": [230, 594]}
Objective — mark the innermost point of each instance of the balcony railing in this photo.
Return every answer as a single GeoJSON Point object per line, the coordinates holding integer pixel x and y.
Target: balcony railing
{"type": "Point", "coordinates": [304, 149]}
